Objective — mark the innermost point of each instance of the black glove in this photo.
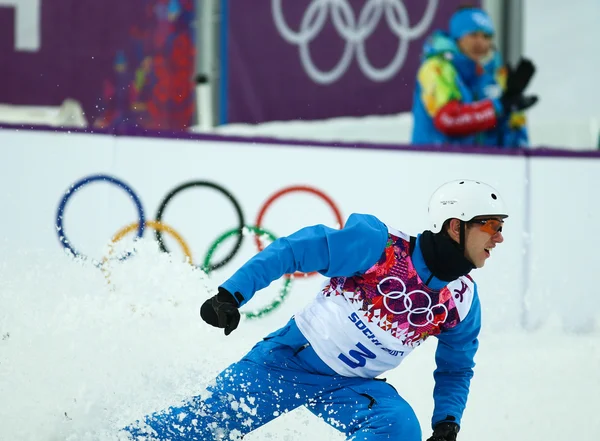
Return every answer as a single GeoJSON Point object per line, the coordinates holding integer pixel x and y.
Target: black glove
{"type": "Point", "coordinates": [524, 102]}
{"type": "Point", "coordinates": [518, 79]}
{"type": "Point", "coordinates": [516, 82]}
{"type": "Point", "coordinates": [222, 311]}
{"type": "Point", "coordinates": [519, 103]}
{"type": "Point", "coordinates": [444, 432]}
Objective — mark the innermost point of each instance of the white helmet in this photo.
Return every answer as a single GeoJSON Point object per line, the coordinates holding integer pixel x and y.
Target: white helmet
{"type": "Point", "coordinates": [463, 199]}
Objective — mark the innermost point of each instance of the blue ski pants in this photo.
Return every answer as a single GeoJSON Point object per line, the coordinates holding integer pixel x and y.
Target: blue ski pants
{"type": "Point", "coordinates": [281, 373]}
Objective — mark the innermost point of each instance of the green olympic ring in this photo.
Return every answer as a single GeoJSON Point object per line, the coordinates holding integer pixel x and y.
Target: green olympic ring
{"type": "Point", "coordinates": [206, 267]}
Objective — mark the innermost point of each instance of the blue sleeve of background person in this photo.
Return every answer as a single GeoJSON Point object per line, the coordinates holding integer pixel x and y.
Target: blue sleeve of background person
{"type": "Point", "coordinates": [349, 251]}
{"type": "Point", "coordinates": [507, 137]}
{"type": "Point", "coordinates": [517, 138]}
{"type": "Point", "coordinates": [455, 362]}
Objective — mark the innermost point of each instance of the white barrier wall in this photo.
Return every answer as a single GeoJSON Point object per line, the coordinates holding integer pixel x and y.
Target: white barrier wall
{"type": "Point", "coordinates": [538, 272]}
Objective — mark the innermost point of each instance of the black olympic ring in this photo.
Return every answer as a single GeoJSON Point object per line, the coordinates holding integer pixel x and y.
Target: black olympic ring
{"type": "Point", "coordinates": [191, 184]}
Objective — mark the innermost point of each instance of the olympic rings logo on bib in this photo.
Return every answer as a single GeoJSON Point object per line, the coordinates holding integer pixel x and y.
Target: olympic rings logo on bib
{"type": "Point", "coordinates": [418, 317]}
{"type": "Point", "coordinates": [355, 31]}
{"type": "Point", "coordinates": [240, 230]}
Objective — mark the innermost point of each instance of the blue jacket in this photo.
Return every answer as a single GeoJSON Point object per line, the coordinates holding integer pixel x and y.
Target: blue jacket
{"type": "Point", "coordinates": [352, 251]}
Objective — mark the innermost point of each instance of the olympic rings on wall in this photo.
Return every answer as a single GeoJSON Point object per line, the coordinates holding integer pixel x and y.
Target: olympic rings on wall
{"type": "Point", "coordinates": [240, 230]}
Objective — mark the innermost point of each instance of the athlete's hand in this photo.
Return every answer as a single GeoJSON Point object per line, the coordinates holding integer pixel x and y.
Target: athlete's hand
{"type": "Point", "coordinates": [444, 432]}
{"type": "Point", "coordinates": [222, 311]}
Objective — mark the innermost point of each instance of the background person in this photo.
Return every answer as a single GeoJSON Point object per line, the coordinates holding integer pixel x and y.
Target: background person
{"type": "Point", "coordinates": [464, 95]}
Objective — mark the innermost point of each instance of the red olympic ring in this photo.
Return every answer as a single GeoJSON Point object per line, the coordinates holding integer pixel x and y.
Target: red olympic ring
{"type": "Point", "coordinates": [292, 189]}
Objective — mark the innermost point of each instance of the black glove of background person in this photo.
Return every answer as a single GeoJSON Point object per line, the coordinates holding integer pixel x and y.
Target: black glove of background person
{"type": "Point", "coordinates": [445, 432]}
{"type": "Point", "coordinates": [221, 311]}
{"type": "Point", "coordinates": [516, 82]}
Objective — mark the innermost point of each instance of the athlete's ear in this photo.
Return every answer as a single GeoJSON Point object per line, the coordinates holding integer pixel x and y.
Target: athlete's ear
{"type": "Point", "coordinates": [454, 229]}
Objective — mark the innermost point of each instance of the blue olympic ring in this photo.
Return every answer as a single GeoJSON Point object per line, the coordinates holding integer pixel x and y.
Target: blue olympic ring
{"type": "Point", "coordinates": [75, 187]}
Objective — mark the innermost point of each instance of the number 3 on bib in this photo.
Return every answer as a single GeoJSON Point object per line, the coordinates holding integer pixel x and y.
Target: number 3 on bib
{"type": "Point", "coordinates": [360, 356]}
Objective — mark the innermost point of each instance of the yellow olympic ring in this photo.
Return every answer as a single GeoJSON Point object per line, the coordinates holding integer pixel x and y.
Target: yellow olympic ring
{"type": "Point", "coordinates": [158, 226]}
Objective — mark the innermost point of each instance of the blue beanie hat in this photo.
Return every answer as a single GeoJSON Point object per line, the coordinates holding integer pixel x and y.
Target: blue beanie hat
{"type": "Point", "coordinates": [467, 21]}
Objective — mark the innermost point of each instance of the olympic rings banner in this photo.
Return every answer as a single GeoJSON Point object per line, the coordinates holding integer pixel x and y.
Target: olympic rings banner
{"type": "Point", "coordinates": [315, 59]}
{"type": "Point", "coordinates": [240, 228]}
{"type": "Point", "coordinates": [84, 191]}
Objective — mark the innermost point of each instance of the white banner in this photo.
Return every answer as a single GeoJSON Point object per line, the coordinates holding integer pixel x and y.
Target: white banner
{"type": "Point", "coordinates": [539, 270]}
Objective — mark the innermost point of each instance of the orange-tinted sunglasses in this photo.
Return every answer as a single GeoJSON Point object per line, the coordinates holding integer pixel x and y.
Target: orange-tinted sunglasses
{"type": "Point", "coordinates": [491, 226]}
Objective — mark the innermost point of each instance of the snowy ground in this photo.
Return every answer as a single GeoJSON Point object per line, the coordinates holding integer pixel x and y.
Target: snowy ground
{"type": "Point", "coordinates": [79, 360]}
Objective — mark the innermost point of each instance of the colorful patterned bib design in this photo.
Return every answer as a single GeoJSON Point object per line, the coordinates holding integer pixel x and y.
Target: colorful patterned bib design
{"type": "Point", "coordinates": [392, 296]}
